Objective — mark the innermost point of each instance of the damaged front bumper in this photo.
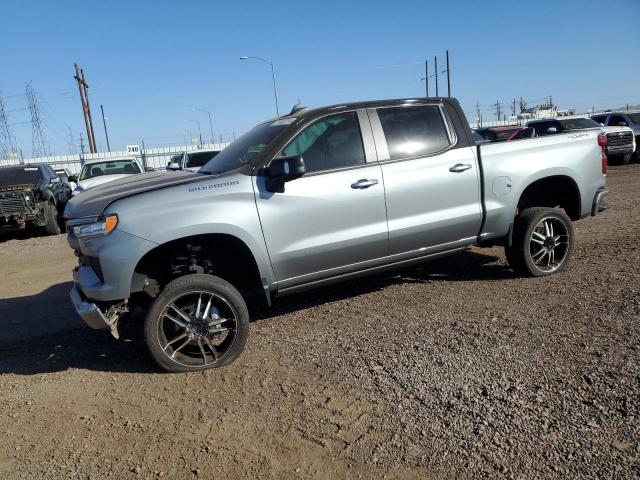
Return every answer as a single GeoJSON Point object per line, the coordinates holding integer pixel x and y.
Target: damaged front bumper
{"type": "Point", "coordinates": [94, 316]}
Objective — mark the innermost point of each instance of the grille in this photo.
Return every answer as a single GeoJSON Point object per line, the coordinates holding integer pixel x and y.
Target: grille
{"type": "Point", "coordinates": [12, 204]}
{"type": "Point", "coordinates": [619, 141]}
{"type": "Point", "coordinates": [94, 263]}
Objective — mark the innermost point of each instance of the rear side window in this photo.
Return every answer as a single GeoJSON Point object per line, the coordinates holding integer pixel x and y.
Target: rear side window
{"type": "Point", "coordinates": [600, 118]}
{"type": "Point", "coordinates": [413, 131]}
{"type": "Point", "coordinates": [617, 121]}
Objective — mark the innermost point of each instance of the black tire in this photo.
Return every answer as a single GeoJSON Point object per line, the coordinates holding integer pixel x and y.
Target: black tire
{"type": "Point", "coordinates": [52, 224]}
{"type": "Point", "coordinates": [635, 158]}
{"type": "Point", "coordinates": [165, 338]}
{"type": "Point", "coordinates": [533, 252]}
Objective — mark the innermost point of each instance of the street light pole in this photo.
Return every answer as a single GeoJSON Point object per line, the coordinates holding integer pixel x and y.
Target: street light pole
{"type": "Point", "coordinates": [213, 140]}
{"type": "Point", "coordinates": [273, 77]}
{"type": "Point", "coordinates": [105, 128]}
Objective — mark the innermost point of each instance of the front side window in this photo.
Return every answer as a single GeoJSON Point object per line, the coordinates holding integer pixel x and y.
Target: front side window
{"type": "Point", "coordinates": [600, 118]}
{"type": "Point", "coordinates": [413, 131]}
{"type": "Point", "coordinates": [578, 123]}
{"type": "Point", "coordinates": [200, 159]}
{"type": "Point", "coordinates": [329, 143]}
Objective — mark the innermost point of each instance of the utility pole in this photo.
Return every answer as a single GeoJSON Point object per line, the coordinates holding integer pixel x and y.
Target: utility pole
{"type": "Point", "coordinates": [435, 61]}
{"type": "Point", "coordinates": [81, 145]}
{"type": "Point", "coordinates": [426, 76]}
{"type": "Point", "coordinates": [71, 145]}
{"type": "Point", "coordinates": [478, 112]}
{"type": "Point", "coordinates": [550, 101]}
{"type": "Point", "coordinates": [86, 110]}
{"type": "Point", "coordinates": [448, 77]}
{"type": "Point", "coordinates": [39, 147]}
{"type": "Point", "coordinates": [497, 110]}
{"type": "Point", "coordinates": [105, 129]}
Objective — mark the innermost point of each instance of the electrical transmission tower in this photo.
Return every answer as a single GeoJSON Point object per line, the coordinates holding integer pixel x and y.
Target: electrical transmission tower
{"type": "Point", "coordinates": [39, 145]}
{"type": "Point", "coordinates": [7, 146]}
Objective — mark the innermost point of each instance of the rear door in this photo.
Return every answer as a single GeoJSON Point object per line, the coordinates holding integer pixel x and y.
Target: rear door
{"type": "Point", "coordinates": [333, 219]}
{"type": "Point", "coordinates": [431, 179]}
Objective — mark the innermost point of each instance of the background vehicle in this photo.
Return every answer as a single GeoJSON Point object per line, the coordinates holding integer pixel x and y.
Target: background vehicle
{"type": "Point", "coordinates": [623, 119]}
{"type": "Point", "coordinates": [523, 133]}
{"type": "Point", "coordinates": [97, 172]}
{"type": "Point", "coordinates": [620, 140]}
{"type": "Point", "coordinates": [191, 161]}
{"type": "Point", "coordinates": [31, 195]}
{"type": "Point", "coordinates": [498, 134]}
{"type": "Point", "coordinates": [64, 174]}
{"type": "Point", "coordinates": [319, 196]}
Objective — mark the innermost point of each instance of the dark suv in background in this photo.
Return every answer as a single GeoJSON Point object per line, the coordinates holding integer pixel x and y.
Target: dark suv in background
{"type": "Point", "coordinates": [622, 119]}
{"type": "Point", "coordinates": [32, 195]}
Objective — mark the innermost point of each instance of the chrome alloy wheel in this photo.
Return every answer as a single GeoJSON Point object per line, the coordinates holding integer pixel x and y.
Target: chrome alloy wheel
{"type": "Point", "coordinates": [549, 244]}
{"type": "Point", "coordinates": [197, 328]}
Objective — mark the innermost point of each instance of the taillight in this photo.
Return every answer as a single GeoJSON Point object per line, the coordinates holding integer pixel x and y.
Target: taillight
{"type": "Point", "coordinates": [602, 141]}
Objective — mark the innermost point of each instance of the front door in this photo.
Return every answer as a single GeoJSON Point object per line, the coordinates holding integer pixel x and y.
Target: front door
{"type": "Point", "coordinates": [333, 218]}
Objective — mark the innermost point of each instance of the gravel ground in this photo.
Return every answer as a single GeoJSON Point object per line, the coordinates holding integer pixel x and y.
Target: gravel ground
{"type": "Point", "coordinates": [457, 369]}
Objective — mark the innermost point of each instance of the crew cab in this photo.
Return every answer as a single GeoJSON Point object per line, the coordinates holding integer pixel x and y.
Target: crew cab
{"type": "Point", "coordinates": [31, 195]}
{"type": "Point", "coordinates": [314, 197]}
{"type": "Point", "coordinates": [623, 119]}
{"type": "Point", "coordinates": [620, 140]}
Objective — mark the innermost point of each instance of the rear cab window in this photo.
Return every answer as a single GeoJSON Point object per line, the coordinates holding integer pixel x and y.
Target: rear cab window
{"type": "Point", "coordinates": [414, 131]}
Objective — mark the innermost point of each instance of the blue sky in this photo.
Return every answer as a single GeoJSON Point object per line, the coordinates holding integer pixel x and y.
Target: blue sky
{"type": "Point", "coordinates": [150, 62]}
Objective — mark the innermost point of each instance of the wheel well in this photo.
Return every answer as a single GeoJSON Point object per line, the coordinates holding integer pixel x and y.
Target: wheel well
{"type": "Point", "coordinates": [553, 191]}
{"type": "Point", "coordinates": [222, 255]}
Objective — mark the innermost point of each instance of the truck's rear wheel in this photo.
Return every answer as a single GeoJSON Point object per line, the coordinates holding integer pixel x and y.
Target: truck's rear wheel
{"type": "Point", "coordinates": [197, 322]}
{"type": "Point", "coordinates": [543, 241]}
{"type": "Point", "coordinates": [52, 225]}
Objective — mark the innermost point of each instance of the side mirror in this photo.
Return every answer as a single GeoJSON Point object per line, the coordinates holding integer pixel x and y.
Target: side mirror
{"type": "Point", "coordinates": [552, 130]}
{"type": "Point", "coordinates": [173, 166]}
{"type": "Point", "coordinates": [73, 178]}
{"type": "Point", "coordinates": [602, 124]}
{"type": "Point", "coordinates": [282, 170]}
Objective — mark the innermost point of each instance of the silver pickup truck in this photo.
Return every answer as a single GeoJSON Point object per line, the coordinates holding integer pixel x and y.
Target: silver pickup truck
{"type": "Point", "coordinates": [314, 197]}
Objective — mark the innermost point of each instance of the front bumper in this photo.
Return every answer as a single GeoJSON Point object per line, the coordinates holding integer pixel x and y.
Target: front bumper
{"type": "Point", "coordinates": [598, 201]}
{"type": "Point", "coordinates": [89, 312]}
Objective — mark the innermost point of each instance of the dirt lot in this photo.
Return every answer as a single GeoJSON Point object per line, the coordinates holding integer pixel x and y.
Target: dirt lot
{"type": "Point", "coordinates": [457, 369]}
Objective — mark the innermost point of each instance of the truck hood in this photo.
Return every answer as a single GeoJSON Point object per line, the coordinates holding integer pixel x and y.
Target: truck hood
{"type": "Point", "coordinates": [93, 202]}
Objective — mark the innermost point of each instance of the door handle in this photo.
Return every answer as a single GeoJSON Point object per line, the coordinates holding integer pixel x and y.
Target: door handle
{"type": "Point", "coordinates": [364, 183]}
{"type": "Point", "coordinates": [459, 167]}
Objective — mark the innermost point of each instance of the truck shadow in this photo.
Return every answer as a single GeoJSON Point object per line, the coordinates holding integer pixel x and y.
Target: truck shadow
{"type": "Point", "coordinates": [43, 333]}
{"type": "Point", "coordinates": [23, 234]}
{"type": "Point", "coordinates": [468, 265]}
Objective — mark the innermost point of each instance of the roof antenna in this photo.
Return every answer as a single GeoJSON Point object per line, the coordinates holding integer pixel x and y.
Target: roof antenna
{"type": "Point", "coordinates": [297, 107]}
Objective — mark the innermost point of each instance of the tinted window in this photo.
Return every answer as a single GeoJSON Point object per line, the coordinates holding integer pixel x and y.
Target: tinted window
{"type": "Point", "coordinates": [331, 142]}
{"type": "Point", "coordinates": [617, 120]}
{"type": "Point", "coordinates": [413, 131]}
{"type": "Point", "coordinates": [600, 118]}
{"type": "Point", "coordinates": [199, 159]}
{"type": "Point", "coordinates": [634, 117]}
{"type": "Point", "coordinates": [577, 123]}
{"type": "Point", "coordinates": [541, 127]}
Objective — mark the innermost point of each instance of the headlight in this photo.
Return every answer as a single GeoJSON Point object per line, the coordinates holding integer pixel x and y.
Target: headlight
{"type": "Point", "coordinates": [97, 229]}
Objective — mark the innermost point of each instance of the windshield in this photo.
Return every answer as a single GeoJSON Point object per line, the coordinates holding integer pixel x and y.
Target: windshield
{"type": "Point", "coordinates": [576, 123]}
{"type": "Point", "coordinates": [635, 117]}
{"type": "Point", "coordinates": [246, 147]}
{"type": "Point", "coordinates": [114, 167]}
